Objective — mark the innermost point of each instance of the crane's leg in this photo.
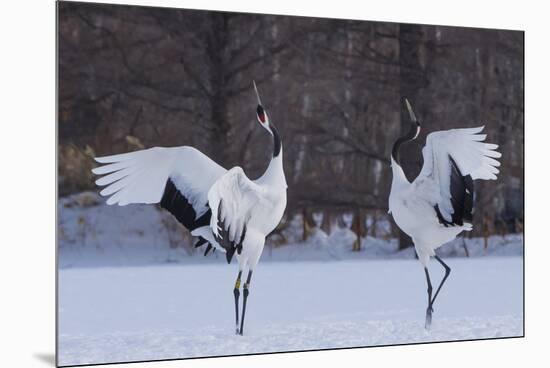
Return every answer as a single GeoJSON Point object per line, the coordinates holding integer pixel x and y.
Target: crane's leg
{"type": "Point", "coordinates": [245, 296]}
{"type": "Point", "coordinates": [237, 293]}
{"type": "Point", "coordinates": [431, 301]}
{"type": "Point", "coordinates": [447, 273]}
{"type": "Point", "coordinates": [429, 310]}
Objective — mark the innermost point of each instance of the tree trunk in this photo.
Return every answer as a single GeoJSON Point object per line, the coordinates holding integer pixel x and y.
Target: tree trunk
{"type": "Point", "coordinates": [411, 80]}
{"type": "Point", "coordinates": [357, 228]}
{"type": "Point", "coordinates": [216, 48]}
{"type": "Point", "coordinates": [326, 225]}
{"type": "Point", "coordinates": [307, 223]}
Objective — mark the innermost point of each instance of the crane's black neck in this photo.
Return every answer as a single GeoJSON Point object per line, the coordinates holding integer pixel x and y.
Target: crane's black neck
{"type": "Point", "coordinates": [276, 140]}
{"type": "Point", "coordinates": [409, 136]}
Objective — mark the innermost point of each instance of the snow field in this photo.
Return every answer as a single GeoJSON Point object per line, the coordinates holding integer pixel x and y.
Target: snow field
{"type": "Point", "coordinates": [177, 311]}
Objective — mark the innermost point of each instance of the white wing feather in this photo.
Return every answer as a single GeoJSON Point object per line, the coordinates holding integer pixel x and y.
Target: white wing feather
{"type": "Point", "coordinates": [472, 156]}
{"type": "Point", "coordinates": [238, 196]}
{"type": "Point", "coordinates": [140, 177]}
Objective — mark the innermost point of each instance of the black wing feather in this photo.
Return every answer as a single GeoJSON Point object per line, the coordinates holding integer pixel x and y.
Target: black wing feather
{"type": "Point", "coordinates": [178, 205]}
{"type": "Point", "coordinates": [462, 198]}
{"type": "Point", "coordinates": [223, 237]}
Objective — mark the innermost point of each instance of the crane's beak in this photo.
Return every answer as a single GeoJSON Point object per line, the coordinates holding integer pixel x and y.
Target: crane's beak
{"type": "Point", "coordinates": [261, 114]}
{"type": "Point", "coordinates": [257, 94]}
{"type": "Point", "coordinates": [411, 112]}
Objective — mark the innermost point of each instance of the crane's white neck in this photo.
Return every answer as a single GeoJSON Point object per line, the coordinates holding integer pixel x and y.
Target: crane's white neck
{"type": "Point", "coordinates": [399, 178]}
{"type": "Point", "coordinates": [274, 175]}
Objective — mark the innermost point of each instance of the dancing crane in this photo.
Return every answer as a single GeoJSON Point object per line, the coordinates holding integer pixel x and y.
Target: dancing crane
{"type": "Point", "coordinates": [223, 208]}
{"type": "Point", "coordinates": [438, 204]}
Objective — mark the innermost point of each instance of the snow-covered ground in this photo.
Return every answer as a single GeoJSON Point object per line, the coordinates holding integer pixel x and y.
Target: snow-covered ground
{"type": "Point", "coordinates": [176, 311]}
{"type": "Point", "coordinates": [131, 287]}
{"type": "Point", "coordinates": [93, 234]}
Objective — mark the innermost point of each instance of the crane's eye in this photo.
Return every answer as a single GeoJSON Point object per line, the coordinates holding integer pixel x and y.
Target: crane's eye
{"type": "Point", "coordinates": [261, 114]}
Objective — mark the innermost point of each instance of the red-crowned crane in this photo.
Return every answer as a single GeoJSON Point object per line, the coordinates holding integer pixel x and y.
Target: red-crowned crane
{"type": "Point", "coordinates": [438, 204]}
{"type": "Point", "coordinates": [224, 208]}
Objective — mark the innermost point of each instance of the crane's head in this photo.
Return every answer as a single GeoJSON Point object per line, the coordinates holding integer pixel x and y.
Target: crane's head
{"type": "Point", "coordinates": [261, 114]}
{"type": "Point", "coordinates": [264, 121]}
{"type": "Point", "coordinates": [415, 129]}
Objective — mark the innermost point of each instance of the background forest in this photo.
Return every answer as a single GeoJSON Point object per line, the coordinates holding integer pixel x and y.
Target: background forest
{"type": "Point", "coordinates": [138, 77]}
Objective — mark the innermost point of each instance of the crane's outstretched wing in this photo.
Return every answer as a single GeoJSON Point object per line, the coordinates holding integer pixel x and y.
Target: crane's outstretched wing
{"type": "Point", "coordinates": [231, 199]}
{"type": "Point", "coordinates": [452, 160]}
{"type": "Point", "coordinates": [177, 177]}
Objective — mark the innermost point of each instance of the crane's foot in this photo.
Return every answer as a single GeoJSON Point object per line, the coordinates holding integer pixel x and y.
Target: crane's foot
{"type": "Point", "coordinates": [245, 294]}
{"type": "Point", "coordinates": [428, 323]}
{"type": "Point", "coordinates": [237, 293]}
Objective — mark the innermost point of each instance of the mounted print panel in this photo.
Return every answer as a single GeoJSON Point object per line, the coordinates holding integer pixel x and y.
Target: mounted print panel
{"type": "Point", "coordinates": [235, 183]}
